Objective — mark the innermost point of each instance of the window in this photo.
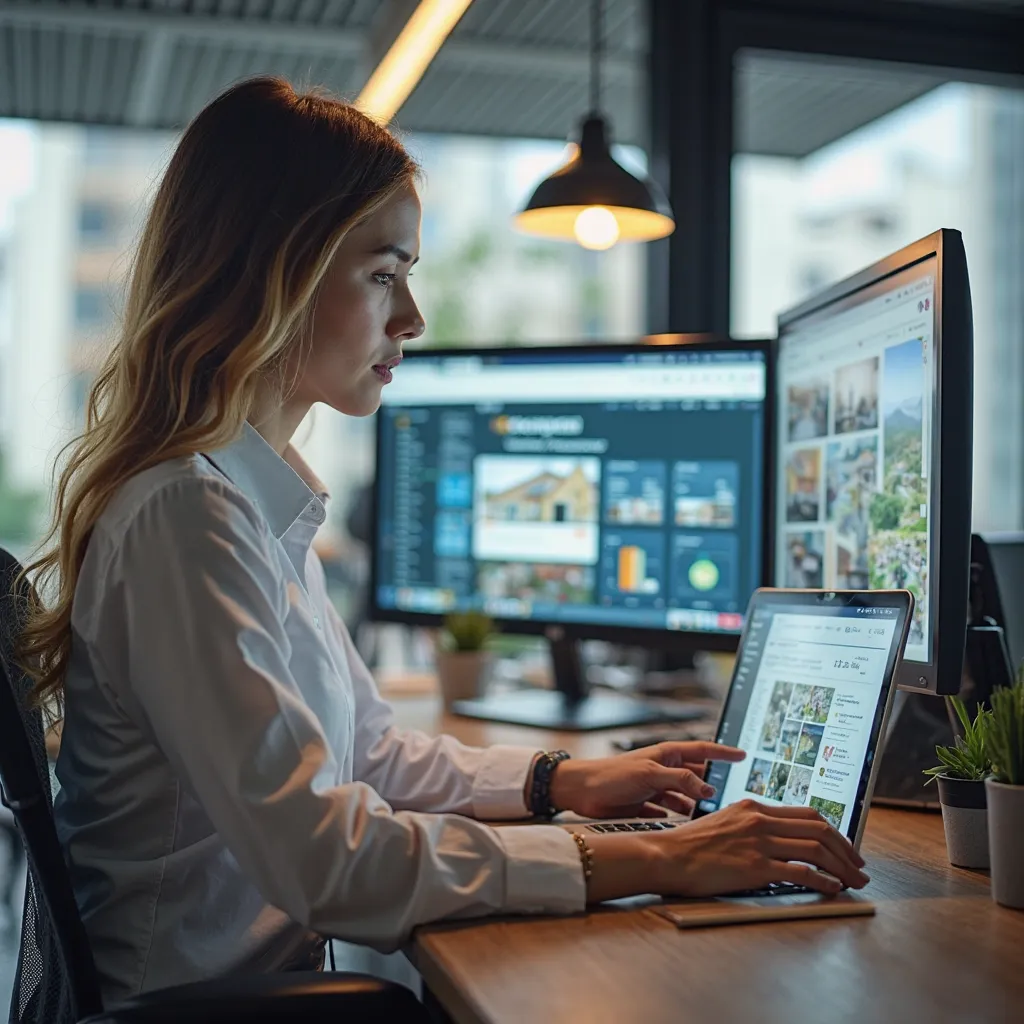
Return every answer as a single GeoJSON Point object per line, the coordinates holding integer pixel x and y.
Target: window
{"type": "Point", "coordinates": [97, 224]}
{"type": "Point", "coordinates": [821, 189]}
{"type": "Point", "coordinates": [92, 307]}
{"type": "Point", "coordinates": [480, 282]}
{"type": "Point", "coordinates": [70, 203]}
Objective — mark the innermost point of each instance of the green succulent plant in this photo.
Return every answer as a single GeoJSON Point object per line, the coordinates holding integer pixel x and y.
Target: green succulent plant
{"type": "Point", "coordinates": [969, 757]}
{"type": "Point", "coordinates": [466, 631]}
{"type": "Point", "coordinates": [1006, 732]}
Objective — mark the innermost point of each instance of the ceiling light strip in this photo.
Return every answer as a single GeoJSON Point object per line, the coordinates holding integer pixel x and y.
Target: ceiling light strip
{"type": "Point", "coordinates": [410, 55]}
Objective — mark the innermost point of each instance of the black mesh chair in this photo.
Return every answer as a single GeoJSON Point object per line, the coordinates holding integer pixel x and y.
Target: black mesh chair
{"type": "Point", "coordinates": [56, 981]}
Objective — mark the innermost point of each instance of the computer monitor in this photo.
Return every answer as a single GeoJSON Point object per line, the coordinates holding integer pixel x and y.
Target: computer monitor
{"type": "Point", "coordinates": [599, 491]}
{"type": "Point", "coordinates": [995, 638]}
{"type": "Point", "coordinates": [873, 400]}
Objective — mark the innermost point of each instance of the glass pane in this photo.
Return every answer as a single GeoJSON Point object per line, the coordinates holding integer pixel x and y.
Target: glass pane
{"type": "Point", "coordinates": [72, 200]}
{"type": "Point", "coordinates": [839, 164]}
{"type": "Point", "coordinates": [481, 282]}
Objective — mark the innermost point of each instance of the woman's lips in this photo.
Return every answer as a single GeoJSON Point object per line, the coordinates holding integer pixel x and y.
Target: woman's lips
{"type": "Point", "coordinates": [383, 370]}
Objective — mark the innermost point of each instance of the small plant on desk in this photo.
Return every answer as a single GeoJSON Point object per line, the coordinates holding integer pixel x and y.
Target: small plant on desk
{"type": "Point", "coordinates": [961, 774]}
{"type": "Point", "coordinates": [462, 655]}
{"type": "Point", "coordinates": [1006, 794]}
{"type": "Point", "coordinates": [466, 631]}
{"type": "Point", "coordinates": [968, 759]}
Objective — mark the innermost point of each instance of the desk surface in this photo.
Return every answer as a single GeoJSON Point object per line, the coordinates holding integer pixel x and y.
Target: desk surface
{"type": "Point", "coordinates": [939, 950]}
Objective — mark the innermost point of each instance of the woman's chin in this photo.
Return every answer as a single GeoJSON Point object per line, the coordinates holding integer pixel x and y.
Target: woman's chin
{"type": "Point", "coordinates": [363, 405]}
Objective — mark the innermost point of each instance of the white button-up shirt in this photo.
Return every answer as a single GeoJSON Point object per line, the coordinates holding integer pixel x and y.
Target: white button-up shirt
{"type": "Point", "coordinates": [232, 784]}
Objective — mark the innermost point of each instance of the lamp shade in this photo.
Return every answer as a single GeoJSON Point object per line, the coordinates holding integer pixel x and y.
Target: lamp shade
{"type": "Point", "coordinates": [596, 201]}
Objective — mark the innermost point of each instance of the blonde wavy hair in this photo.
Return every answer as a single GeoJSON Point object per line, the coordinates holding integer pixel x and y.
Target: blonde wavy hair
{"type": "Point", "coordinates": [262, 188]}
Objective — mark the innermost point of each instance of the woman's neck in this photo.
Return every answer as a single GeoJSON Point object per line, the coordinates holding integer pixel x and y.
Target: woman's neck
{"type": "Point", "coordinates": [277, 423]}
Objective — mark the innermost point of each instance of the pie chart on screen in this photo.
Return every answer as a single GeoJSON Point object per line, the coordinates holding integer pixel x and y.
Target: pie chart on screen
{"type": "Point", "coordinates": [704, 575]}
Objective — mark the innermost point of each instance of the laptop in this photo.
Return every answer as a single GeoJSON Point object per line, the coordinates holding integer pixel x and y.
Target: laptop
{"type": "Point", "coordinates": [809, 701]}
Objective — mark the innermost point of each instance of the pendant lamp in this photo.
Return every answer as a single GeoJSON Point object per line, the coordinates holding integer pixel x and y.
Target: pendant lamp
{"type": "Point", "coordinates": [592, 199]}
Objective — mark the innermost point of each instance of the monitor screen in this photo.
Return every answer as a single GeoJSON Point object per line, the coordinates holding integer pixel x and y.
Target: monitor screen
{"type": "Point", "coordinates": [615, 487]}
{"type": "Point", "coordinates": [856, 485]}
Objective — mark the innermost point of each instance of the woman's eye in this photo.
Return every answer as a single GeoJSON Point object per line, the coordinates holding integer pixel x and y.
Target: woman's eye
{"type": "Point", "coordinates": [384, 280]}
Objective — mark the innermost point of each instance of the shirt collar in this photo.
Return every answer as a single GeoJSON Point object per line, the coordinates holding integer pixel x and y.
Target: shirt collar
{"type": "Point", "coordinates": [283, 488]}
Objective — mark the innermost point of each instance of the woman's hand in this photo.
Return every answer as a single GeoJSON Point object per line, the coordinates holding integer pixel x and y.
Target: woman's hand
{"type": "Point", "coordinates": [743, 846]}
{"type": "Point", "coordinates": [643, 782]}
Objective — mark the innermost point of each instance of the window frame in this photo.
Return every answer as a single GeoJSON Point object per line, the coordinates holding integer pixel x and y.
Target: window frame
{"type": "Point", "coordinates": [691, 79]}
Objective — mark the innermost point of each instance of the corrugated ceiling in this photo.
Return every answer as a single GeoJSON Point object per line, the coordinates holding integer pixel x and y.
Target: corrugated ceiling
{"type": "Point", "coordinates": [511, 67]}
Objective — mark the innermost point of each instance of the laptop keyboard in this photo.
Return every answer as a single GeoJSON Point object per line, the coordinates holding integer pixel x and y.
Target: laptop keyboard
{"type": "Point", "coordinates": [631, 826]}
{"type": "Point", "coordinates": [771, 889]}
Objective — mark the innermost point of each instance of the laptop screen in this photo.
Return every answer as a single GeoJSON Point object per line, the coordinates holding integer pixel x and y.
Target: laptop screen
{"type": "Point", "coordinates": [806, 702]}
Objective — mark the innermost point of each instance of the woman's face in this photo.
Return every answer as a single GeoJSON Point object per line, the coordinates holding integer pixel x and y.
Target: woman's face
{"type": "Point", "coordinates": [365, 311]}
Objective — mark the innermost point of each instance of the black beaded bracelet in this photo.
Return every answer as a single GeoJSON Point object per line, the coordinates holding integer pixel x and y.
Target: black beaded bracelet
{"type": "Point", "coordinates": [540, 790]}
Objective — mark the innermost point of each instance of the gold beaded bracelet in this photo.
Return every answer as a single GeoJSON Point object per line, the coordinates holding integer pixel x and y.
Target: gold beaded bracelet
{"type": "Point", "coordinates": [586, 856]}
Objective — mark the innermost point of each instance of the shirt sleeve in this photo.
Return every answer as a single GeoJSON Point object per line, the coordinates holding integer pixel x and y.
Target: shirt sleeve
{"type": "Point", "coordinates": [413, 771]}
{"type": "Point", "coordinates": [195, 606]}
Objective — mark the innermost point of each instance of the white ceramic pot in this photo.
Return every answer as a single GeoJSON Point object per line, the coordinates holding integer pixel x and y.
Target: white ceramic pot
{"type": "Point", "coordinates": [965, 821]}
{"type": "Point", "coordinates": [461, 674]}
{"type": "Point", "coordinates": [1006, 842]}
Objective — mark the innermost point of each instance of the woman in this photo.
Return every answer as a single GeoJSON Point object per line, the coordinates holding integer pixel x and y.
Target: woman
{"type": "Point", "coordinates": [233, 787]}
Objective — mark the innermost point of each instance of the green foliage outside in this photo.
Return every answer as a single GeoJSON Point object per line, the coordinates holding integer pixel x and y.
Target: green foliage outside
{"type": "Point", "coordinates": [20, 511]}
{"type": "Point", "coordinates": [452, 276]}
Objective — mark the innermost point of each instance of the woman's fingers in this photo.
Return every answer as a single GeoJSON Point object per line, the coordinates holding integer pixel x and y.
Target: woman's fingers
{"type": "Point", "coordinates": [814, 828]}
{"type": "Point", "coordinates": [680, 780]}
{"type": "Point", "coordinates": [691, 753]}
{"type": "Point", "coordinates": [809, 851]}
{"type": "Point", "coordinates": [677, 803]}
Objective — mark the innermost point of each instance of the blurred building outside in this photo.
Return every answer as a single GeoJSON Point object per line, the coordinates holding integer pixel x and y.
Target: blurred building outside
{"type": "Point", "coordinates": [952, 158]}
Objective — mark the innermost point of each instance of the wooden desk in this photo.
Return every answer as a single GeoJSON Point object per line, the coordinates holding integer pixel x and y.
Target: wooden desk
{"type": "Point", "coordinates": [939, 950]}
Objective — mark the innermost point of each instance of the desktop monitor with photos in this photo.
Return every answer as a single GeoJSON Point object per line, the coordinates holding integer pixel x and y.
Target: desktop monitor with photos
{"type": "Point", "coordinates": [608, 491]}
{"type": "Point", "coordinates": [873, 457]}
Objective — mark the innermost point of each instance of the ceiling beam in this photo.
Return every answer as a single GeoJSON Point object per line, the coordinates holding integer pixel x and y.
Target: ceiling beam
{"type": "Point", "coordinates": [150, 78]}
{"type": "Point", "coordinates": [545, 60]}
{"type": "Point", "coordinates": [311, 40]}
{"type": "Point", "coordinates": [307, 39]}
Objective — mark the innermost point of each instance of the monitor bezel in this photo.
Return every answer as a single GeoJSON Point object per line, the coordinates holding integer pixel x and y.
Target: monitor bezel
{"type": "Point", "coordinates": [952, 438]}
{"type": "Point", "coordinates": [676, 640]}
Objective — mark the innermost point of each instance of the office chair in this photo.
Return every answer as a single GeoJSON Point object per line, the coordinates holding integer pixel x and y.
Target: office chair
{"type": "Point", "coordinates": [12, 841]}
{"type": "Point", "coordinates": [56, 982]}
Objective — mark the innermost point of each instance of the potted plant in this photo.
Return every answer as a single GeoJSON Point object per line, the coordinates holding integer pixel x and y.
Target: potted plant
{"type": "Point", "coordinates": [1005, 791]}
{"type": "Point", "coordinates": [462, 657]}
{"type": "Point", "coordinates": [961, 775]}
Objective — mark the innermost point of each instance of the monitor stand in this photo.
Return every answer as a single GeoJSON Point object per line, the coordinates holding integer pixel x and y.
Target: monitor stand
{"type": "Point", "coordinates": [571, 707]}
{"type": "Point", "coordinates": [921, 721]}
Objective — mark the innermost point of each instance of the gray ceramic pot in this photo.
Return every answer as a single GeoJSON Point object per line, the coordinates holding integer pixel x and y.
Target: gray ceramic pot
{"type": "Point", "coordinates": [461, 674]}
{"type": "Point", "coordinates": [965, 820]}
{"type": "Point", "coordinates": [1006, 842]}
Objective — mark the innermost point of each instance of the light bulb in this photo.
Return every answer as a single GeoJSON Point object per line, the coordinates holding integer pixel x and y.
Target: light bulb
{"type": "Point", "coordinates": [596, 228]}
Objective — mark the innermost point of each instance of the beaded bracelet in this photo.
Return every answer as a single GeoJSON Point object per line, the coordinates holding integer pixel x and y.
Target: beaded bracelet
{"type": "Point", "coordinates": [540, 789]}
{"type": "Point", "coordinates": [586, 855]}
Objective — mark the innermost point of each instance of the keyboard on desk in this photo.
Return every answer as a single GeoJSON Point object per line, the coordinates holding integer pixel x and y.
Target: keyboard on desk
{"type": "Point", "coordinates": [771, 889]}
{"type": "Point", "coordinates": [630, 826]}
